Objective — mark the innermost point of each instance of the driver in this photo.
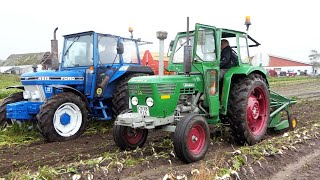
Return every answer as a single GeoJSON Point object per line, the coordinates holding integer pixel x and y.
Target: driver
{"type": "Point", "coordinates": [228, 58]}
{"type": "Point", "coordinates": [109, 73]}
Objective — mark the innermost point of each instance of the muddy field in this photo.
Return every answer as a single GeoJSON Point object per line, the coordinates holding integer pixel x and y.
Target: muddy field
{"type": "Point", "coordinates": [293, 155]}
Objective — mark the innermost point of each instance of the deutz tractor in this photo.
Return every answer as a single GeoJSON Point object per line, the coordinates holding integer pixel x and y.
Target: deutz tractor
{"type": "Point", "coordinates": [90, 82]}
{"type": "Point", "coordinates": [185, 103]}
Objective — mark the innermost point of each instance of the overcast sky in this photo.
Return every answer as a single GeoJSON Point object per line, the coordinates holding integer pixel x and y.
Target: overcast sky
{"type": "Point", "coordinates": [284, 28]}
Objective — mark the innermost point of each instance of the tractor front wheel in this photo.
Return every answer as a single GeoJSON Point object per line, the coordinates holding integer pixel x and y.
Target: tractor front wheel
{"type": "Point", "coordinates": [16, 97]}
{"type": "Point", "coordinates": [248, 109]}
{"type": "Point", "coordinates": [191, 138]}
{"type": "Point", "coordinates": [129, 138]}
{"type": "Point", "coordinates": [63, 117]}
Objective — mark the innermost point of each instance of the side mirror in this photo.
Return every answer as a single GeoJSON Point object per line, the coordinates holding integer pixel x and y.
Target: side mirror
{"type": "Point", "coordinates": [120, 48]}
{"type": "Point", "coordinates": [170, 48]}
{"type": "Point", "coordinates": [171, 45]}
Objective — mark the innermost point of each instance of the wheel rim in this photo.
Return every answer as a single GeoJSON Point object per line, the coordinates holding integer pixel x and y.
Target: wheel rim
{"type": "Point", "coordinates": [196, 139]}
{"type": "Point", "coordinates": [133, 136]}
{"type": "Point", "coordinates": [257, 110]}
{"type": "Point", "coordinates": [67, 119]}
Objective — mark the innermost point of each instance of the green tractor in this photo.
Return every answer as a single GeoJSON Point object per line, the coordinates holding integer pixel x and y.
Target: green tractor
{"type": "Point", "coordinates": [195, 96]}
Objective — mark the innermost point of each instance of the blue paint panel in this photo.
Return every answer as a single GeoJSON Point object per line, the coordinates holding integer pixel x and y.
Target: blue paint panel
{"type": "Point", "coordinates": [23, 110]}
{"type": "Point", "coordinates": [75, 77]}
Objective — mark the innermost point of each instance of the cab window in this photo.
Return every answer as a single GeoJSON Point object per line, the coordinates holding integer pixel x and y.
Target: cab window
{"type": "Point", "coordinates": [205, 45]}
{"type": "Point", "coordinates": [243, 50]}
{"type": "Point", "coordinates": [107, 50]}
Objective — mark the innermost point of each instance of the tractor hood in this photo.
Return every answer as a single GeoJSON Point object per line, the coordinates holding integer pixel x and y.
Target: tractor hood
{"type": "Point", "coordinates": [164, 91]}
{"type": "Point", "coordinates": [53, 77]}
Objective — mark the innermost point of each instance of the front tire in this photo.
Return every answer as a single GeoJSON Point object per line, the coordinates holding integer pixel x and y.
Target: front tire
{"type": "Point", "coordinates": [129, 138]}
{"type": "Point", "coordinates": [63, 117]}
{"type": "Point", "coordinates": [16, 97]}
{"type": "Point", "coordinates": [191, 138]}
{"type": "Point", "coordinates": [248, 109]}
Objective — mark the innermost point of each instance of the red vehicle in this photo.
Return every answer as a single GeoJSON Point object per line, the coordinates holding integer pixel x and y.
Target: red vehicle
{"type": "Point", "coordinates": [152, 60]}
{"type": "Point", "coordinates": [291, 73]}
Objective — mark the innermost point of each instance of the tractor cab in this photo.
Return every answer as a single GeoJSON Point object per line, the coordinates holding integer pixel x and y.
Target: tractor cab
{"type": "Point", "coordinates": [94, 54]}
{"type": "Point", "coordinates": [205, 59]}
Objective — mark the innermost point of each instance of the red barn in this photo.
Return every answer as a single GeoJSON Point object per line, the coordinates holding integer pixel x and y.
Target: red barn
{"type": "Point", "coordinates": [283, 65]}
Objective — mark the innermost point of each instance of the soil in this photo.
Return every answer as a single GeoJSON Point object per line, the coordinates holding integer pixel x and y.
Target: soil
{"type": "Point", "coordinates": [301, 163]}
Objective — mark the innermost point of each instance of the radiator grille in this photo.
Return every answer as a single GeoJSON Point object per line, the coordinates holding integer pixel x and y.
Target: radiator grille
{"type": "Point", "coordinates": [187, 91]}
{"type": "Point", "coordinates": [164, 89]}
{"type": "Point", "coordinates": [140, 89]}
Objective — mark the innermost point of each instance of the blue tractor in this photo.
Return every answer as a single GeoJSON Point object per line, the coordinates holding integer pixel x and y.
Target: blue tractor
{"type": "Point", "coordinates": [90, 82]}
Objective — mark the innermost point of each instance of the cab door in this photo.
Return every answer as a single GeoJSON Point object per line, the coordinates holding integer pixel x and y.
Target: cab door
{"type": "Point", "coordinates": [205, 54]}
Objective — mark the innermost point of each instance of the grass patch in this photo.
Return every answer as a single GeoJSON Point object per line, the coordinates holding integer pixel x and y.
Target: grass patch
{"type": "Point", "coordinates": [19, 135]}
{"type": "Point", "coordinates": [8, 80]}
{"type": "Point", "coordinates": [96, 126]}
{"type": "Point", "coordinates": [286, 81]}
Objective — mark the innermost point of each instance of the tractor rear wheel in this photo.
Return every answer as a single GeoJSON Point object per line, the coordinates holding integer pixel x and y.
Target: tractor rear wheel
{"type": "Point", "coordinates": [191, 138]}
{"type": "Point", "coordinates": [16, 97]}
{"type": "Point", "coordinates": [120, 97]}
{"type": "Point", "coordinates": [248, 109]}
{"type": "Point", "coordinates": [63, 117]}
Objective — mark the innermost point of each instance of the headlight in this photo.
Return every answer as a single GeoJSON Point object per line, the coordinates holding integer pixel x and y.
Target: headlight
{"type": "Point", "coordinates": [26, 95]}
{"type": "Point", "coordinates": [134, 101]}
{"type": "Point", "coordinates": [35, 95]}
{"type": "Point", "coordinates": [149, 101]}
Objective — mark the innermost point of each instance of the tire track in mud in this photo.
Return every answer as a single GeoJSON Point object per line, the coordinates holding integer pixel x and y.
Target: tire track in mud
{"type": "Point", "coordinates": [300, 170]}
{"type": "Point", "coordinates": [52, 154]}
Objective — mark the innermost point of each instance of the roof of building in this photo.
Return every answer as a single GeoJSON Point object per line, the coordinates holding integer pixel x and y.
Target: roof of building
{"type": "Point", "coordinates": [26, 59]}
{"type": "Point", "coordinates": [277, 61]}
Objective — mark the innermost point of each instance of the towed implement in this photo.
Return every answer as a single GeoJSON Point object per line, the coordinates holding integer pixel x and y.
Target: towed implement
{"type": "Point", "coordinates": [196, 96]}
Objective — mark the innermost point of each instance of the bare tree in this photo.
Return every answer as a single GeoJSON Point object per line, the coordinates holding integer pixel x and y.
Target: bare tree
{"type": "Point", "coordinates": [315, 60]}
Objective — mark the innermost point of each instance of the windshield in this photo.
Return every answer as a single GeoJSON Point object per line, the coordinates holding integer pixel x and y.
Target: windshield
{"type": "Point", "coordinates": [130, 51]}
{"type": "Point", "coordinates": [107, 46]}
{"type": "Point", "coordinates": [178, 52]}
{"type": "Point", "coordinates": [78, 51]}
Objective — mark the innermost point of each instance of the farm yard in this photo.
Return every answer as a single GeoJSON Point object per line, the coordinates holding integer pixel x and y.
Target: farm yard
{"type": "Point", "coordinates": [287, 155]}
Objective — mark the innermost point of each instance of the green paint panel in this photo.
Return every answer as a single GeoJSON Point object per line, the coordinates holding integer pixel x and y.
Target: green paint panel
{"type": "Point", "coordinates": [282, 125]}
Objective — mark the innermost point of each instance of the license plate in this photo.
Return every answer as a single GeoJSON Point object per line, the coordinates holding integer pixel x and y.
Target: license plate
{"type": "Point", "coordinates": [143, 110]}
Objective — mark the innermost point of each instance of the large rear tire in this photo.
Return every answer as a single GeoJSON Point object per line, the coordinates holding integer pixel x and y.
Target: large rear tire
{"type": "Point", "coordinates": [120, 97]}
{"type": "Point", "coordinates": [63, 117]}
{"type": "Point", "coordinates": [16, 97]}
{"type": "Point", "coordinates": [248, 109]}
{"type": "Point", "coordinates": [191, 138]}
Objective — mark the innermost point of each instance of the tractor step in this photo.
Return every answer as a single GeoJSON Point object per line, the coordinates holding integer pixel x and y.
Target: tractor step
{"type": "Point", "coordinates": [102, 108]}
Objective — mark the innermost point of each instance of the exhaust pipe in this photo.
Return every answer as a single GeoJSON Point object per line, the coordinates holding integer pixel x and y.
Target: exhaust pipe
{"type": "Point", "coordinates": [54, 51]}
{"type": "Point", "coordinates": [187, 53]}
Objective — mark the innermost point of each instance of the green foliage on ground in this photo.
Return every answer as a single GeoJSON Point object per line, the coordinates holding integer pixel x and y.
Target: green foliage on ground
{"type": "Point", "coordinates": [19, 134]}
{"type": "Point", "coordinates": [287, 81]}
{"type": "Point", "coordinates": [8, 80]}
